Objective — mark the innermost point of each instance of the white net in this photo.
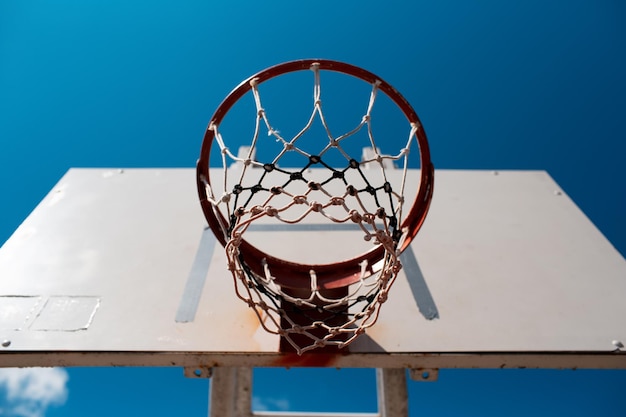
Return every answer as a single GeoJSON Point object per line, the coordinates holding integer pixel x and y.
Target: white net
{"type": "Point", "coordinates": [312, 312]}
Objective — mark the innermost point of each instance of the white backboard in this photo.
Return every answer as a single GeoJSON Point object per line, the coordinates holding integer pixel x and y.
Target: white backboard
{"type": "Point", "coordinates": [116, 267]}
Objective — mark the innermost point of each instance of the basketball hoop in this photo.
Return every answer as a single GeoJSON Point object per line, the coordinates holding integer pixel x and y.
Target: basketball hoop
{"type": "Point", "coordinates": [326, 304]}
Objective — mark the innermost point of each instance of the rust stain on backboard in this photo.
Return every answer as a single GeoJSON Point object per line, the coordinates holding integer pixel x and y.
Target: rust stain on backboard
{"type": "Point", "coordinates": [308, 359]}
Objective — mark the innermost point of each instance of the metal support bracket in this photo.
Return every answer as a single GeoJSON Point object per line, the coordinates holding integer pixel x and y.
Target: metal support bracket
{"type": "Point", "coordinates": [393, 400]}
{"type": "Point", "coordinates": [230, 393]}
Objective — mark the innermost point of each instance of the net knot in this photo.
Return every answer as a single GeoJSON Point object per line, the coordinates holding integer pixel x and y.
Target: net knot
{"type": "Point", "coordinates": [316, 207]}
{"type": "Point", "coordinates": [369, 218]}
{"type": "Point", "coordinates": [300, 199]}
{"type": "Point", "coordinates": [271, 211]}
{"type": "Point", "coordinates": [355, 216]}
{"type": "Point", "coordinates": [337, 201]}
{"type": "Point", "coordinates": [225, 198]}
{"type": "Point", "coordinates": [384, 278]}
{"type": "Point", "coordinates": [383, 237]}
{"type": "Point", "coordinates": [314, 185]}
{"type": "Point", "coordinates": [235, 240]}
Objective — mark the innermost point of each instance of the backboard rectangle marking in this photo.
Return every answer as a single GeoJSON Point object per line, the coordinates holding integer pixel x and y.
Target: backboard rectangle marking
{"type": "Point", "coordinates": [197, 277]}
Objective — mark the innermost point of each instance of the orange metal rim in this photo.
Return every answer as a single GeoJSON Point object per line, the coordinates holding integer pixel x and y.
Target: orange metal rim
{"type": "Point", "coordinates": [334, 275]}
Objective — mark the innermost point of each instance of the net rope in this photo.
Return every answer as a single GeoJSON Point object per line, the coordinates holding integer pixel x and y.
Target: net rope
{"type": "Point", "coordinates": [311, 317]}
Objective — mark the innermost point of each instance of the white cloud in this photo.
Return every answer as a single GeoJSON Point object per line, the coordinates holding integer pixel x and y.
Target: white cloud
{"type": "Point", "coordinates": [28, 392]}
{"type": "Point", "coordinates": [270, 404]}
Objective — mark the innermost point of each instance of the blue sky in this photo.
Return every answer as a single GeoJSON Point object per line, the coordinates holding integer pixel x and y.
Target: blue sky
{"type": "Point", "coordinates": [498, 85]}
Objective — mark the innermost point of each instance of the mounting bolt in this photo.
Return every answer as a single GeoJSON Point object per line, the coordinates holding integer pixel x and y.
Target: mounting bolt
{"type": "Point", "coordinates": [6, 343]}
{"type": "Point", "coordinates": [199, 372]}
{"type": "Point", "coordinates": [424, 374]}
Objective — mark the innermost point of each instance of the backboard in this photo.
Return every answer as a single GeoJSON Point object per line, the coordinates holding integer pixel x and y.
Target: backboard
{"type": "Point", "coordinates": [118, 267]}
